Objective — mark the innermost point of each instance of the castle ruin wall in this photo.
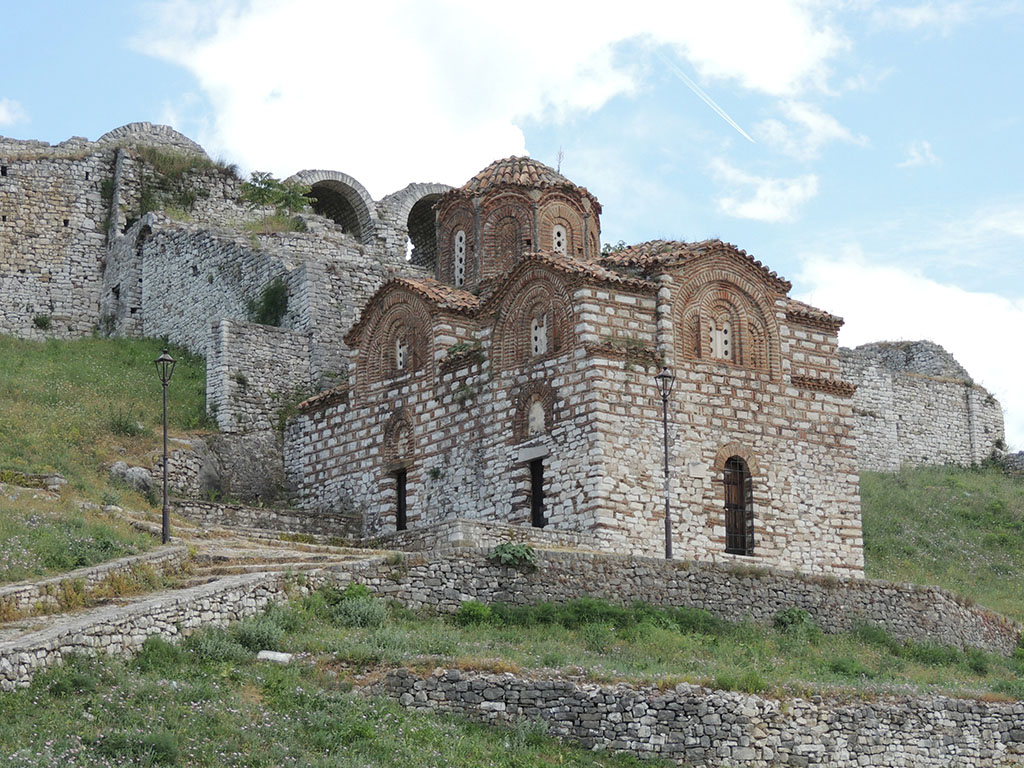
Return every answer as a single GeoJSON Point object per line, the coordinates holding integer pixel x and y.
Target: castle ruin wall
{"type": "Point", "coordinates": [916, 405]}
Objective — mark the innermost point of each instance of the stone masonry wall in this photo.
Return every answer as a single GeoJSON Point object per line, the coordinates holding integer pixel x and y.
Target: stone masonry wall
{"type": "Point", "coordinates": [52, 236]}
{"type": "Point", "coordinates": [734, 593]}
{"type": "Point", "coordinates": [697, 726]}
{"type": "Point", "coordinates": [42, 596]}
{"type": "Point", "coordinates": [916, 405]}
{"type": "Point", "coordinates": [122, 629]}
{"type": "Point", "coordinates": [253, 373]}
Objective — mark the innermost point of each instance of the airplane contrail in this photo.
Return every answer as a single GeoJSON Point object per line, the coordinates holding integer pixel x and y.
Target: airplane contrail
{"type": "Point", "coordinates": [705, 98]}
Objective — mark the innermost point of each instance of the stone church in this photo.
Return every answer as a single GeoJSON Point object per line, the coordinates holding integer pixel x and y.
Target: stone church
{"type": "Point", "coordinates": [516, 386]}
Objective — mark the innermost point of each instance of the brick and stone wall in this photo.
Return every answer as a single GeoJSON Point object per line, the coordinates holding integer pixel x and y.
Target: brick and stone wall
{"type": "Point", "coordinates": [916, 405]}
{"type": "Point", "coordinates": [698, 726]}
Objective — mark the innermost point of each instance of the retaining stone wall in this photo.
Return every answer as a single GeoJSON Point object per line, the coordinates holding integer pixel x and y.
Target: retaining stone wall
{"type": "Point", "coordinates": [274, 519]}
{"type": "Point", "coordinates": [41, 596]}
{"type": "Point", "coordinates": [916, 405]}
{"type": "Point", "coordinates": [122, 629]}
{"type": "Point", "coordinates": [721, 728]}
{"type": "Point", "coordinates": [924, 614]}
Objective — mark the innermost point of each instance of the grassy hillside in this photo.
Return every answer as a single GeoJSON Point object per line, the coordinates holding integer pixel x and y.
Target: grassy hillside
{"type": "Point", "coordinates": [71, 407]}
{"type": "Point", "coordinates": [962, 529]}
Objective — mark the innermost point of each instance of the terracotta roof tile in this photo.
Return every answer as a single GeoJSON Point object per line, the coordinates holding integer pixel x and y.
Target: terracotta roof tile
{"type": "Point", "coordinates": [441, 294]}
{"type": "Point", "coordinates": [654, 254]}
{"type": "Point", "coordinates": [797, 310]}
{"type": "Point", "coordinates": [517, 171]}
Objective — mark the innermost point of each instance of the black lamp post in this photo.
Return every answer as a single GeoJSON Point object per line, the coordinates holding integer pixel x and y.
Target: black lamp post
{"type": "Point", "coordinates": [165, 369]}
{"type": "Point", "coordinates": [665, 379]}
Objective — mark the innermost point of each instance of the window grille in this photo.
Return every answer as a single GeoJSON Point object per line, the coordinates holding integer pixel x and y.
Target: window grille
{"type": "Point", "coordinates": [539, 335]}
{"type": "Point", "coordinates": [559, 239]}
{"type": "Point", "coordinates": [460, 258]}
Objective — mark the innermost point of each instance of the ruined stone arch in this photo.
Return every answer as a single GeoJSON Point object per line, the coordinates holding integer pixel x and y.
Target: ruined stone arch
{"type": "Point", "coordinates": [412, 212]}
{"type": "Point", "coordinates": [531, 396]}
{"type": "Point", "coordinates": [539, 294]}
{"type": "Point", "coordinates": [342, 199]}
{"type": "Point", "coordinates": [397, 318]}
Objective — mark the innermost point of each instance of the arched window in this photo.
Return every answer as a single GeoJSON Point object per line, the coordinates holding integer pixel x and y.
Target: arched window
{"type": "Point", "coordinates": [401, 353]}
{"type": "Point", "coordinates": [460, 258]}
{"type": "Point", "coordinates": [539, 335]}
{"type": "Point", "coordinates": [721, 338]}
{"type": "Point", "coordinates": [559, 239]}
{"type": "Point", "coordinates": [535, 419]}
{"type": "Point", "coordinates": [739, 507]}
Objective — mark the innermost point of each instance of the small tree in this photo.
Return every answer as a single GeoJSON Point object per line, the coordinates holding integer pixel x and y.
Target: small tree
{"type": "Point", "coordinates": [263, 191]}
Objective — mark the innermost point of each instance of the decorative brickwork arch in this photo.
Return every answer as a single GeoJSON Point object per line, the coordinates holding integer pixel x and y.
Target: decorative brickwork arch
{"type": "Point", "coordinates": [721, 316]}
{"type": "Point", "coordinates": [533, 397]}
{"type": "Point", "coordinates": [559, 214]}
{"type": "Point", "coordinates": [539, 299]}
{"type": "Point", "coordinates": [342, 199]}
{"type": "Point", "coordinates": [459, 219]}
{"type": "Point", "coordinates": [399, 445]}
{"type": "Point", "coordinates": [398, 339]}
{"type": "Point", "coordinates": [507, 235]}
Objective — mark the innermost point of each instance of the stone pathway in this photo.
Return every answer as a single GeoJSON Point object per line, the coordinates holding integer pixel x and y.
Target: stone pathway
{"type": "Point", "coordinates": [232, 573]}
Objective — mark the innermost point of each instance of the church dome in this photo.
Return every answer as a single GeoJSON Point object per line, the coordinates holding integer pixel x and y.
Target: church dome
{"type": "Point", "coordinates": [512, 207]}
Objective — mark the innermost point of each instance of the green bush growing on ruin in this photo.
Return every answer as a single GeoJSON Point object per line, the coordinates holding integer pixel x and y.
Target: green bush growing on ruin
{"type": "Point", "coordinates": [272, 304]}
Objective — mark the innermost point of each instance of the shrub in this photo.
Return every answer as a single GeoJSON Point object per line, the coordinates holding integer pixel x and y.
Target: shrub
{"type": "Point", "coordinates": [261, 633]}
{"type": "Point", "coordinates": [872, 634]}
{"type": "Point", "coordinates": [158, 655]}
{"type": "Point", "coordinates": [848, 667]}
{"type": "Point", "coordinates": [473, 612]}
{"type": "Point", "coordinates": [42, 322]}
{"type": "Point", "coordinates": [796, 622]}
{"type": "Point", "coordinates": [125, 422]}
{"type": "Point", "coordinates": [215, 644]}
{"type": "Point", "coordinates": [514, 555]}
{"type": "Point", "coordinates": [360, 612]}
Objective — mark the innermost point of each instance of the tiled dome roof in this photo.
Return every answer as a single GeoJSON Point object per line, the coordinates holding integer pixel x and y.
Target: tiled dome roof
{"type": "Point", "coordinates": [518, 171]}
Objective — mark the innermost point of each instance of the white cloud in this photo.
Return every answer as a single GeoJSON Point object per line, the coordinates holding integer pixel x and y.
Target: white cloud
{"type": "Point", "coordinates": [11, 112]}
{"type": "Point", "coordinates": [407, 91]}
{"type": "Point", "coordinates": [885, 302]}
{"type": "Point", "coordinates": [919, 153]}
{"type": "Point", "coordinates": [767, 199]}
{"type": "Point", "coordinates": [941, 16]}
{"type": "Point", "coordinates": [810, 130]}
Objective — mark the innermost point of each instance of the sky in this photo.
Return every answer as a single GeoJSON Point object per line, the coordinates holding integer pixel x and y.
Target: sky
{"type": "Point", "coordinates": [870, 152]}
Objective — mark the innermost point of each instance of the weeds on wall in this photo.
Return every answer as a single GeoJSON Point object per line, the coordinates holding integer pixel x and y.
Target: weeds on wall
{"type": "Point", "coordinates": [271, 305]}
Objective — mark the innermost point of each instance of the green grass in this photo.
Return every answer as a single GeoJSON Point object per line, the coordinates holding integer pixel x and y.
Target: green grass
{"type": "Point", "coordinates": [962, 529]}
{"type": "Point", "coordinates": [210, 704]}
{"type": "Point", "coordinates": [42, 538]}
{"type": "Point", "coordinates": [71, 406]}
{"type": "Point", "coordinates": [207, 702]}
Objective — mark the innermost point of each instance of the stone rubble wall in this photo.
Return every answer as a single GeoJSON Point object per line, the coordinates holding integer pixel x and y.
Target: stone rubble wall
{"type": "Point", "coordinates": [916, 405]}
{"type": "Point", "coordinates": [698, 726]}
{"type": "Point", "coordinates": [52, 237]}
{"type": "Point", "coordinates": [42, 596]}
{"type": "Point", "coordinates": [254, 373]}
{"type": "Point", "coordinates": [906, 611]}
{"type": "Point", "coordinates": [268, 518]}
{"type": "Point", "coordinates": [122, 629]}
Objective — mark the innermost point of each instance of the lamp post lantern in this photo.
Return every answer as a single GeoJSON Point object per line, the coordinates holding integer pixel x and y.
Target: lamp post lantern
{"type": "Point", "coordinates": [165, 369]}
{"type": "Point", "coordinates": [665, 379]}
